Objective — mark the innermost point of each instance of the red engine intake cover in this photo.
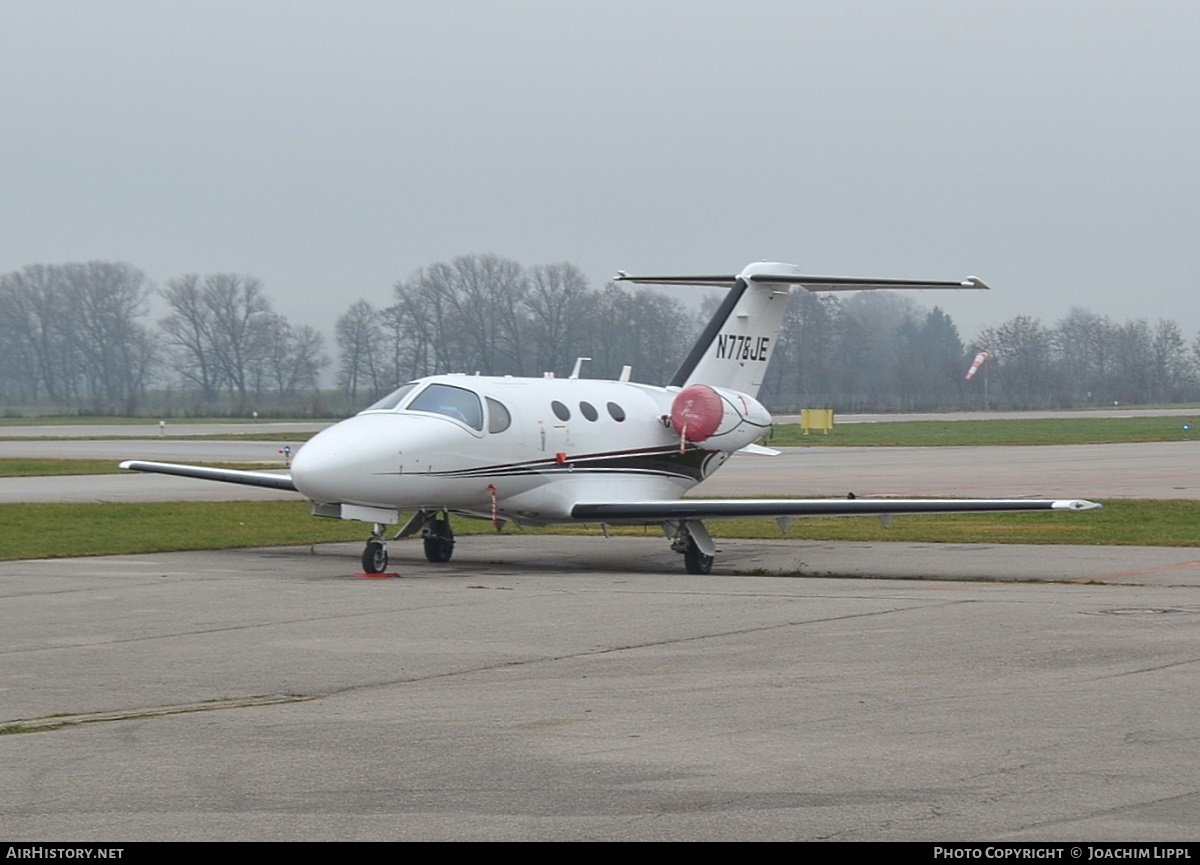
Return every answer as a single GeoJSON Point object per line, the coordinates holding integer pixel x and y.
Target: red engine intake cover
{"type": "Point", "coordinates": [697, 412]}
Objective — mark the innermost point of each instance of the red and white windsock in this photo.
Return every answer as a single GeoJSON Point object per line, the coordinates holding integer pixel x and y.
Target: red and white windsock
{"type": "Point", "coordinates": [979, 361]}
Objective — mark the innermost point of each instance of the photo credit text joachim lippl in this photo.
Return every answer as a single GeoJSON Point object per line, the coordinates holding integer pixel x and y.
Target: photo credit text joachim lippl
{"type": "Point", "coordinates": [1078, 852]}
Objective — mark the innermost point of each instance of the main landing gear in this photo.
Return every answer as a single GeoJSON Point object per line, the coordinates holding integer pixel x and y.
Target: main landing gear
{"type": "Point", "coordinates": [436, 535]}
{"type": "Point", "coordinates": [692, 539]}
{"type": "Point", "coordinates": [438, 538]}
{"type": "Point", "coordinates": [694, 559]}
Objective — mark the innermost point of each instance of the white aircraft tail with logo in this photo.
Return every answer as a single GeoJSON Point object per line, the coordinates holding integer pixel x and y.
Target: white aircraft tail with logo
{"type": "Point", "coordinates": [736, 346]}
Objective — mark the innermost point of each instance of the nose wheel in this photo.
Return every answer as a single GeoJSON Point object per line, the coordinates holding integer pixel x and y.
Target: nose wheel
{"type": "Point", "coordinates": [375, 556]}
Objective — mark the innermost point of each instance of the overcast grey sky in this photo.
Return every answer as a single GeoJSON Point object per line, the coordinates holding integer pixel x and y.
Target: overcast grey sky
{"type": "Point", "coordinates": [330, 149]}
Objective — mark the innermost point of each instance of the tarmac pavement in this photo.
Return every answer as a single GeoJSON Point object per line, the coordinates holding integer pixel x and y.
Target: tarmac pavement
{"type": "Point", "coordinates": [565, 688]}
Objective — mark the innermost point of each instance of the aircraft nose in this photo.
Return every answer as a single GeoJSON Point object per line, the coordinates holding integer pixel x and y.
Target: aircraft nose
{"type": "Point", "coordinates": [326, 467]}
{"type": "Point", "coordinates": [361, 460]}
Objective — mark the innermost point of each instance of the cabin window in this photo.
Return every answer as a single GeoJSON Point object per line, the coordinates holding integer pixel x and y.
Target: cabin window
{"type": "Point", "coordinates": [560, 411]}
{"type": "Point", "coordinates": [453, 402]}
{"type": "Point", "coordinates": [498, 417]}
{"type": "Point", "coordinates": [616, 412]}
{"type": "Point", "coordinates": [589, 410]}
{"type": "Point", "coordinates": [393, 399]}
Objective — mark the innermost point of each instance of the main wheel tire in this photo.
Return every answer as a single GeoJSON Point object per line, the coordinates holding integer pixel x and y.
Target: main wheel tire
{"type": "Point", "coordinates": [375, 558]}
{"type": "Point", "coordinates": [694, 560]}
{"type": "Point", "coordinates": [439, 542]}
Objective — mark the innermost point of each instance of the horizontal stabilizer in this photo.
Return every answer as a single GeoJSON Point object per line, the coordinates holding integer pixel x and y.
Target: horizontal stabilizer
{"type": "Point", "coordinates": [853, 283]}
{"type": "Point", "coordinates": [273, 480]}
{"type": "Point", "coordinates": [772, 276]}
{"type": "Point", "coordinates": [714, 281]}
{"type": "Point", "coordinates": [697, 509]}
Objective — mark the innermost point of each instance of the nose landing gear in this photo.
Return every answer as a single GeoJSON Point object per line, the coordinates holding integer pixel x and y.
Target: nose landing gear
{"type": "Point", "coordinates": [375, 556]}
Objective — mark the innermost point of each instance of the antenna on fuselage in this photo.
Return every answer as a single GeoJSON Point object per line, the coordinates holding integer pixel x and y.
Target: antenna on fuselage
{"type": "Point", "coordinates": [578, 366]}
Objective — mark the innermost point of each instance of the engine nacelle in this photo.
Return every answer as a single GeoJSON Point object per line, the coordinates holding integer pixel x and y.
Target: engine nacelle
{"type": "Point", "coordinates": [717, 419]}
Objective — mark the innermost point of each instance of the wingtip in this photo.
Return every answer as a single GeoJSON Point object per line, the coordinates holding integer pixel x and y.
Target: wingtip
{"type": "Point", "coordinates": [1076, 505]}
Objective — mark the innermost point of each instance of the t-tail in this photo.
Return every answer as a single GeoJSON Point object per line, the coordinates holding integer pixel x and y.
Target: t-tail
{"type": "Point", "coordinates": [736, 346]}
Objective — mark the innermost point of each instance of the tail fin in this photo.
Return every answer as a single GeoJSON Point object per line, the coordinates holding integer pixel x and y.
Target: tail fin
{"type": "Point", "coordinates": [736, 346]}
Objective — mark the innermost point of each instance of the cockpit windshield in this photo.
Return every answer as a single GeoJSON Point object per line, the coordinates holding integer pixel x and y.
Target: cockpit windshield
{"type": "Point", "coordinates": [453, 402]}
{"type": "Point", "coordinates": [393, 399]}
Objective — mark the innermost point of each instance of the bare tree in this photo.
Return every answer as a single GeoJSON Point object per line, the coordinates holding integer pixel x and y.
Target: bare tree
{"type": "Point", "coordinates": [486, 292]}
{"type": "Point", "coordinates": [1022, 360]}
{"type": "Point", "coordinates": [32, 301]}
{"type": "Point", "coordinates": [191, 335]}
{"type": "Point", "coordinates": [645, 330]}
{"type": "Point", "coordinates": [289, 359]}
{"type": "Point", "coordinates": [1172, 368]}
{"type": "Point", "coordinates": [465, 315]}
{"type": "Point", "coordinates": [426, 331]}
{"type": "Point", "coordinates": [241, 312]}
{"type": "Point", "coordinates": [217, 327]}
{"type": "Point", "coordinates": [361, 358]}
{"type": "Point", "coordinates": [308, 359]}
{"type": "Point", "coordinates": [1085, 345]}
{"type": "Point", "coordinates": [106, 300]}
{"type": "Point", "coordinates": [73, 330]}
{"type": "Point", "coordinates": [558, 301]}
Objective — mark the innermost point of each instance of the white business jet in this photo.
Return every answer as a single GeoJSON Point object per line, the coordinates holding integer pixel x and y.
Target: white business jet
{"type": "Point", "coordinates": [535, 451]}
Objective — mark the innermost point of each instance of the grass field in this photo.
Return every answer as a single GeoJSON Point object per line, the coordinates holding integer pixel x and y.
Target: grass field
{"type": "Point", "coordinates": [33, 468]}
{"type": "Point", "coordinates": [65, 530]}
{"type": "Point", "coordinates": [963, 433]}
{"type": "Point", "coordinates": [252, 436]}
{"type": "Point", "coordinates": [34, 419]}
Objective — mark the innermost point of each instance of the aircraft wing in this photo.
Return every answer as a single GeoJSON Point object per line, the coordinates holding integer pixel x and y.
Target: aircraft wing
{"type": "Point", "coordinates": [273, 480]}
{"type": "Point", "coordinates": [701, 509]}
